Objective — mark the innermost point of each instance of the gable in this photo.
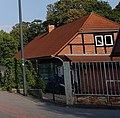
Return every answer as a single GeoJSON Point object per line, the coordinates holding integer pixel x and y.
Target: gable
{"type": "Point", "coordinates": [86, 44]}
{"type": "Point", "coordinates": [96, 22]}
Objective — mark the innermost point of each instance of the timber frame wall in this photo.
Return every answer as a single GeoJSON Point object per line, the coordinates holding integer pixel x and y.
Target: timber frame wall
{"type": "Point", "coordinates": [84, 43]}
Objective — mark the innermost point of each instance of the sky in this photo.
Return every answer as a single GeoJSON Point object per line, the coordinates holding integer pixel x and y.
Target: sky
{"type": "Point", "coordinates": [31, 9]}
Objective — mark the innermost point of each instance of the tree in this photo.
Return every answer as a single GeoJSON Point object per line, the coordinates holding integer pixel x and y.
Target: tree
{"type": "Point", "coordinates": [30, 31]}
{"type": "Point", "coordinates": [8, 46]}
{"type": "Point", "coordinates": [13, 72]}
{"type": "Point", "coordinates": [30, 74]}
{"type": "Point", "coordinates": [15, 33]}
{"type": "Point", "coordinates": [35, 28]}
{"type": "Point", "coordinates": [65, 11]}
{"type": "Point", "coordinates": [60, 12]}
{"type": "Point", "coordinates": [115, 14]}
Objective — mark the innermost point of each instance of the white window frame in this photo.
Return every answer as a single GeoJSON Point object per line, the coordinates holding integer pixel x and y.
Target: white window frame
{"type": "Point", "coordinates": [111, 40]}
{"type": "Point", "coordinates": [102, 43]}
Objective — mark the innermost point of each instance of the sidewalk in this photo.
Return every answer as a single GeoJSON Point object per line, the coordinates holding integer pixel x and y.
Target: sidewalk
{"type": "Point", "coordinates": [17, 106]}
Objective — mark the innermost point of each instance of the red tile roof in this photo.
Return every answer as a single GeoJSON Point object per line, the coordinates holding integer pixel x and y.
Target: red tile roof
{"type": "Point", "coordinates": [97, 22]}
{"type": "Point", "coordinates": [91, 58]}
{"type": "Point", "coordinates": [51, 43]}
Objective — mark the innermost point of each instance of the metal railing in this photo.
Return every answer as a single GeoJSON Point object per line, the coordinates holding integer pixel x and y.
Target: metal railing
{"type": "Point", "coordinates": [96, 78]}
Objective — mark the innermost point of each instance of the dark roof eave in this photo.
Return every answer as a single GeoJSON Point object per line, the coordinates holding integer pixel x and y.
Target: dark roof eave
{"type": "Point", "coordinates": [44, 57]}
{"type": "Point", "coordinates": [115, 53]}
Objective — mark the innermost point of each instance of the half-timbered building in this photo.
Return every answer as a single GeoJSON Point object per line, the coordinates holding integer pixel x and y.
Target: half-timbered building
{"type": "Point", "coordinates": [81, 52]}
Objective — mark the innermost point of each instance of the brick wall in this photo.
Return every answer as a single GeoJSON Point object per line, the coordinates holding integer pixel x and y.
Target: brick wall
{"type": "Point", "coordinates": [77, 40]}
{"type": "Point", "coordinates": [77, 46]}
{"type": "Point", "coordinates": [88, 38]}
{"type": "Point", "coordinates": [66, 50]}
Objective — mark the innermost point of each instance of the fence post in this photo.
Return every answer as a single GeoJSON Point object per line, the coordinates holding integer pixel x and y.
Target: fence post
{"type": "Point", "coordinates": [68, 85]}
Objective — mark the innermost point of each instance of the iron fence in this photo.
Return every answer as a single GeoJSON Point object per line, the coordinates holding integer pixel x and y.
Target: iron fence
{"type": "Point", "coordinates": [96, 78]}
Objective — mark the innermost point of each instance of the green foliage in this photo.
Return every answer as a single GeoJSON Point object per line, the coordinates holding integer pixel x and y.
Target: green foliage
{"type": "Point", "coordinates": [8, 46]}
{"type": "Point", "coordinates": [65, 11]}
{"type": "Point", "coordinates": [15, 33]}
{"type": "Point", "coordinates": [40, 84]}
{"type": "Point", "coordinates": [35, 28]}
{"type": "Point", "coordinates": [13, 73]}
{"type": "Point", "coordinates": [9, 79]}
{"type": "Point", "coordinates": [30, 74]}
{"type": "Point", "coordinates": [115, 14]}
{"type": "Point", "coordinates": [30, 31]}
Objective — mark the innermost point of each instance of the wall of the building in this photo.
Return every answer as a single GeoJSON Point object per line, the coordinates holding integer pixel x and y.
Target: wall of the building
{"type": "Point", "coordinates": [85, 44]}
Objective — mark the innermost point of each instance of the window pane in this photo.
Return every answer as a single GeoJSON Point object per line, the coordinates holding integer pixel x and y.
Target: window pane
{"type": "Point", "coordinates": [99, 40]}
{"type": "Point", "coordinates": [108, 40]}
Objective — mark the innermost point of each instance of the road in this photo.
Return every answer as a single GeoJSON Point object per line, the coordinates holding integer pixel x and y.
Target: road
{"type": "Point", "coordinates": [17, 106]}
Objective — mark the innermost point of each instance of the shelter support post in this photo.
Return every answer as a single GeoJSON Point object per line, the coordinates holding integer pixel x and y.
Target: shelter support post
{"type": "Point", "coordinates": [68, 85]}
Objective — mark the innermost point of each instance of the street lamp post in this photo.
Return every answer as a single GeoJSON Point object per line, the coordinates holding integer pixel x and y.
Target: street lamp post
{"type": "Point", "coordinates": [22, 49]}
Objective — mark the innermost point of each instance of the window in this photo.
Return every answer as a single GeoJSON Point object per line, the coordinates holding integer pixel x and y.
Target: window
{"type": "Point", "coordinates": [102, 40]}
{"type": "Point", "coordinates": [108, 40]}
{"type": "Point", "coordinates": [99, 40]}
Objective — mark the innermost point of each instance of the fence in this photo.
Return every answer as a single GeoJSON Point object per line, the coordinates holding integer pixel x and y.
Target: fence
{"type": "Point", "coordinates": [96, 78]}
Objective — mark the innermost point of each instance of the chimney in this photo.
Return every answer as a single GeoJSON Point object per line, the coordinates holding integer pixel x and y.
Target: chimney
{"type": "Point", "coordinates": [50, 28]}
